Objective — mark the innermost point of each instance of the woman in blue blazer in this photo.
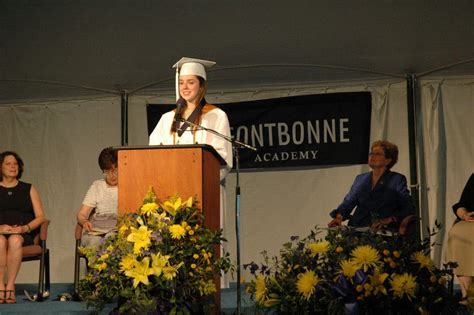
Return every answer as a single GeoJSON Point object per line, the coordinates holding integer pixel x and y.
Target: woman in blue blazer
{"type": "Point", "coordinates": [380, 197]}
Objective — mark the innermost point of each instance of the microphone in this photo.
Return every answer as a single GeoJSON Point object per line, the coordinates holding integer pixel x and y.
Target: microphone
{"type": "Point", "coordinates": [180, 103]}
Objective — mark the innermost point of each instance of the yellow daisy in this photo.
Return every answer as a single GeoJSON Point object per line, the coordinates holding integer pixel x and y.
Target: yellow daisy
{"type": "Point", "coordinates": [348, 268]}
{"type": "Point", "coordinates": [260, 289]}
{"type": "Point", "coordinates": [404, 284]}
{"type": "Point", "coordinates": [306, 284]}
{"type": "Point", "coordinates": [177, 231]}
{"type": "Point", "coordinates": [170, 272]}
{"type": "Point", "coordinates": [319, 247]}
{"type": "Point", "coordinates": [422, 259]}
{"type": "Point", "coordinates": [365, 256]}
{"type": "Point", "coordinates": [148, 208]}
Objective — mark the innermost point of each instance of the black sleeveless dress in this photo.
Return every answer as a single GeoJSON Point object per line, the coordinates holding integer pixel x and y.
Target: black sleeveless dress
{"type": "Point", "coordinates": [16, 208]}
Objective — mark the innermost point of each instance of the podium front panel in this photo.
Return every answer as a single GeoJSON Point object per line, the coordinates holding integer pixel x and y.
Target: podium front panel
{"type": "Point", "coordinates": [187, 171]}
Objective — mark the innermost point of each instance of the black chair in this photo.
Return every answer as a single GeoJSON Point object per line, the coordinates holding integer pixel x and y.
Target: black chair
{"type": "Point", "coordinates": [39, 251]}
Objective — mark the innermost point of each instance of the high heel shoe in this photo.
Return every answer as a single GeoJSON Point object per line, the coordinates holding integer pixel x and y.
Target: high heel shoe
{"type": "Point", "coordinates": [10, 297]}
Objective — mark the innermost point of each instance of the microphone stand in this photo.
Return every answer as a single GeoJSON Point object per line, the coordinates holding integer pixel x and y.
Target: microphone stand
{"type": "Point", "coordinates": [236, 145]}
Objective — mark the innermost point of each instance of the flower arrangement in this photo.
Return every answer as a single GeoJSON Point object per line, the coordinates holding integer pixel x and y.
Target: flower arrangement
{"type": "Point", "coordinates": [162, 260]}
{"type": "Point", "coordinates": [349, 272]}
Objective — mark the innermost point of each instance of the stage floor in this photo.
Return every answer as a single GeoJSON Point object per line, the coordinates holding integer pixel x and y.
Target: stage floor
{"type": "Point", "coordinates": [52, 305]}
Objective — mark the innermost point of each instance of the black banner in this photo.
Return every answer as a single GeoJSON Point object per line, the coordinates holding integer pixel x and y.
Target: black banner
{"type": "Point", "coordinates": [323, 129]}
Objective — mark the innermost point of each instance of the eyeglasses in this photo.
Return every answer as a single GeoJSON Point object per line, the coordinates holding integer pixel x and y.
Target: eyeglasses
{"type": "Point", "coordinates": [376, 154]}
{"type": "Point", "coordinates": [112, 172]}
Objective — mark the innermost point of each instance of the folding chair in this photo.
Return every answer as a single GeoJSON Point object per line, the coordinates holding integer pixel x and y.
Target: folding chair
{"type": "Point", "coordinates": [39, 251]}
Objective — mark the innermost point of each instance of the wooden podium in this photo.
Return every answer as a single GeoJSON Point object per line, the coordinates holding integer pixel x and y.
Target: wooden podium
{"type": "Point", "coordinates": [186, 170]}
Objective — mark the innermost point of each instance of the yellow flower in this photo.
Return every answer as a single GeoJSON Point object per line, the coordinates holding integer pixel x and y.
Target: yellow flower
{"type": "Point", "coordinates": [207, 287]}
{"type": "Point", "coordinates": [172, 206]}
{"type": "Point", "coordinates": [306, 284]}
{"type": "Point", "coordinates": [170, 272]}
{"type": "Point", "coordinates": [377, 280]}
{"type": "Point", "coordinates": [365, 256]}
{"type": "Point", "coordinates": [348, 268]}
{"type": "Point", "coordinates": [260, 289]}
{"type": "Point", "coordinates": [271, 302]}
{"type": "Point", "coordinates": [140, 238]}
{"type": "Point", "coordinates": [104, 257]}
{"type": "Point", "coordinates": [101, 266]}
{"type": "Point", "coordinates": [177, 231]}
{"type": "Point", "coordinates": [423, 260]}
{"type": "Point", "coordinates": [123, 229]}
{"type": "Point", "coordinates": [148, 208]}
{"type": "Point", "coordinates": [140, 272]}
{"type": "Point", "coordinates": [339, 249]}
{"type": "Point", "coordinates": [196, 256]}
{"type": "Point", "coordinates": [127, 262]}
{"type": "Point", "coordinates": [158, 263]}
{"type": "Point", "coordinates": [188, 203]}
{"type": "Point", "coordinates": [160, 220]}
{"type": "Point", "coordinates": [319, 247]}
{"type": "Point", "coordinates": [404, 284]}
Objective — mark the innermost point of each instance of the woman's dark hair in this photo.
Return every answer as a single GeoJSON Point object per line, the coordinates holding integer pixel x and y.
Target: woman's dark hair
{"type": "Point", "coordinates": [18, 159]}
{"type": "Point", "coordinates": [390, 150]}
{"type": "Point", "coordinates": [107, 158]}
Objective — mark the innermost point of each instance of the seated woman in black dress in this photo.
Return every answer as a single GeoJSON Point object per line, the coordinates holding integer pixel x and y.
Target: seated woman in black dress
{"type": "Point", "coordinates": [460, 246]}
{"type": "Point", "coordinates": [21, 214]}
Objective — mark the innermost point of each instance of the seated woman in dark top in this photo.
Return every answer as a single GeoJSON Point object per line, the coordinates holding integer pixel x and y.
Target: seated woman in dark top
{"type": "Point", "coordinates": [460, 246]}
{"type": "Point", "coordinates": [380, 197]}
{"type": "Point", "coordinates": [21, 213]}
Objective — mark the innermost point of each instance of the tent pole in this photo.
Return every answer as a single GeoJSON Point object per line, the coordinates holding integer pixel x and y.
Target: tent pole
{"type": "Point", "coordinates": [412, 85]}
{"type": "Point", "coordinates": [124, 117]}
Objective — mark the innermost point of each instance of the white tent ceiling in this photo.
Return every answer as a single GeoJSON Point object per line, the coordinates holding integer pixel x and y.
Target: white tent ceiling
{"type": "Point", "coordinates": [123, 45]}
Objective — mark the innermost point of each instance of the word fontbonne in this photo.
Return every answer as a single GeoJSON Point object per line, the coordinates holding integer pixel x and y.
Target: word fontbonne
{"type": "Point", "coordinates": [296, 133]}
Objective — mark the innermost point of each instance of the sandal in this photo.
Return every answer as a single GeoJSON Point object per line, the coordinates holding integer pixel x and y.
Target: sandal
{"type": "Point", "coordinates": [2, 296]}
{"type": "Point", "coordinates": [10, 297]}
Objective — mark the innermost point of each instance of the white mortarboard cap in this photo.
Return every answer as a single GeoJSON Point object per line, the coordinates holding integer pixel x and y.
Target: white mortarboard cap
{"type": "Point", "coordinates": [191, 66]}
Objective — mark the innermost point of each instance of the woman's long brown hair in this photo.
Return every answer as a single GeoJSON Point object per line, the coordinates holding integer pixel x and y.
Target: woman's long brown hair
{"type": "Point", "coordinates": [200, 98]}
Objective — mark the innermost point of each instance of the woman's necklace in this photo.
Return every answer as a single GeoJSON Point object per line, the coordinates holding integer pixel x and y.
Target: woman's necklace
{"type": "Point", "coordinates": [10, 187]}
